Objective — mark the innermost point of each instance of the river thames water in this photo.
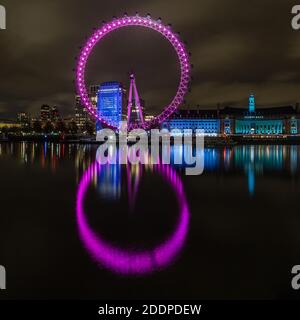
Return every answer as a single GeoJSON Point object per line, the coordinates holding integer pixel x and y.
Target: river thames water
{"type": "Point", "coordinates": [70, 228]}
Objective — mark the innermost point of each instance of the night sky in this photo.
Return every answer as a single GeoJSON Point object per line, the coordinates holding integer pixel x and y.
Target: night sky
{"type": "Point", "coordinates": [237, 47]}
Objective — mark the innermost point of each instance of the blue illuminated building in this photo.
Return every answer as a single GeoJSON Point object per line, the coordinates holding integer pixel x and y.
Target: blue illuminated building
{"type": "Point", "coordinates": [227, 126]}
{"type": "Point", "coordinates": [109, 182]}
{"type": "Point", "coordinates": [205, 120]}
{"type": "Point", "coordinates": [258, 123]}
{"type": "Point", "coordinates": [209, 126]}
{"type": "Point", "coordinates": [110, 99]}
{"type": "Point", "coordinates": [262, 121]}
{"type": "Point", "coordinates": [230, 121]}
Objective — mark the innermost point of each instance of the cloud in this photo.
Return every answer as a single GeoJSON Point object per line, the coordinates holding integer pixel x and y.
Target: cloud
{"type": "Point", "coordinates": [236, 46]}
{"type": "Point", "coordinates": [236, 94]}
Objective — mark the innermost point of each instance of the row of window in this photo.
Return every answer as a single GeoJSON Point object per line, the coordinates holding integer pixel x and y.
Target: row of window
{"type": "Point", "coordinates": [213, 126]}
{"type": "Point", "coordinates": [208, 126]}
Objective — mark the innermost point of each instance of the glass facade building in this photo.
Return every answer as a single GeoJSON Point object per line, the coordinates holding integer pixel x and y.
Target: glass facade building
{"type": "Point", "coordinates": [110, 99]}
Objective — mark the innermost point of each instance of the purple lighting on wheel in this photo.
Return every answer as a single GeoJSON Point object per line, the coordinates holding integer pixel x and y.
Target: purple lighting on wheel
{"type": "Point", "coordinates": [149, 23]}
{"type": "Point", "coordinates": [129, 262]}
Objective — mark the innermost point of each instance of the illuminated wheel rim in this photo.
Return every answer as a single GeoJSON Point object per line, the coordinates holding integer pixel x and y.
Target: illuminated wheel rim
{"type": "Point", "coordinates": [127, 262]}
{"type": "Point", "coordinates": [149, 23]}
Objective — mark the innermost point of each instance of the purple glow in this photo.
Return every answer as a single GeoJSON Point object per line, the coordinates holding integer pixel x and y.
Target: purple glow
{"type": "Point", "coordinates": [178, 45]}
{"type": "Point", "coordinates": [125, 261]}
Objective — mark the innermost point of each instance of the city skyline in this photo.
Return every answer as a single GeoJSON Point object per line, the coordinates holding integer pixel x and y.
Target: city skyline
{"type": "Point", "coordinates": [227, 60]}
{"type": "Point", "coordinates": [149, 157]}
{"type": "Point", "coordinates": [93, 95]}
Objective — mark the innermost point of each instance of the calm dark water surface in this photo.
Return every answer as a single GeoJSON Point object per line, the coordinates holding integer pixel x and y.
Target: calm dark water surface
{"type": "Point", "coordinates": [70, 228]}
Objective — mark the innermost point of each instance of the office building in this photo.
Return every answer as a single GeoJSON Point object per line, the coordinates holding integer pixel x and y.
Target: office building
{"type": "Point", "coordinates": [110, 102]}
{"type": "Point", "coordinates": [250, 120]}
{"type": "Point", "coordinates": [49, 114]}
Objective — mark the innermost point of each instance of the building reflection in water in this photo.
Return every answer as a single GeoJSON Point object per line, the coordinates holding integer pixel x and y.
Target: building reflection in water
{"type": "Point", "coordinates": [109, 182]}
{"type": "Point", "coordinates": [261, 160]}
{"type": "Point", "coordinates": [251, 161]}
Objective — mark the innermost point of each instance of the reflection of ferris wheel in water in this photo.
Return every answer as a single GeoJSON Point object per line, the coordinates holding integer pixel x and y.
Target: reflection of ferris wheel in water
{"type": "Point", "coordinates": [128, 261]}
{"type": "Point", "coordinates": [168, 34]}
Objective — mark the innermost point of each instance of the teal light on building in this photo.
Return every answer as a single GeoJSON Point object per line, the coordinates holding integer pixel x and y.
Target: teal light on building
{"type": "Point", "coordinates": [251, 103]}
{"type": "Point", "coordinates": [250, 120]}
{"type": "Point", "coordinates": [294, 126]}
{"type": "Point", "coordinates": [259, 126]}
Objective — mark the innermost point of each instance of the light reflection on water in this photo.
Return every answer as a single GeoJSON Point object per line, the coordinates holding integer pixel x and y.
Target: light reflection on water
{"type": "Point", "coordinates": [243, 215]}
{"type": "Point", "coordinates": [130, 262]}
{"type": "Point", "coordinates": [252, 161]}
